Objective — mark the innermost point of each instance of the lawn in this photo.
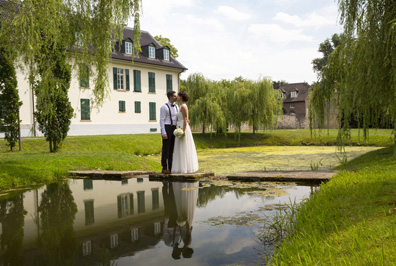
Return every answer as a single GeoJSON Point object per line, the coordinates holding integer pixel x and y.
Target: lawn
{"type": "Point", "coordinates": [350, 221]}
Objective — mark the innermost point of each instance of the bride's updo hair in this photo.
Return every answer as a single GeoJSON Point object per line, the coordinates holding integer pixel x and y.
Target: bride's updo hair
{"type": "Point", "coordinates": [184, 96]}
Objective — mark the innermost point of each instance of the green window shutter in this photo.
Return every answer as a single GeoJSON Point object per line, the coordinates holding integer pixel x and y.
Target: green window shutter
{"type": "Point", "coordinates": [138, 109]}
{"type": "Point", "coordinates": [121, 106]}
{"type": "Point", "coordinates": [136, 81]}
{"type": "Point", "coordinates": [85, 109]}
{"type": "Point", "coordinates": [169, 83]}
{"type": "Point", "coordinates": [127, 79]}
{"type": "Point", "coordinates": [115, 77]}
{"type": "Point", "coordinates": [152, 111]}
{"type": "Point", "coordinates": [84, 76]}
{"type": "Point", "coordinates": [151, 82]}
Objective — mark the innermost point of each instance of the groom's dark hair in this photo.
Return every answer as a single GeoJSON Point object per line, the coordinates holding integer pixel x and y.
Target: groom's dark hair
{"type": "Point", "coordinates": [170, 94]}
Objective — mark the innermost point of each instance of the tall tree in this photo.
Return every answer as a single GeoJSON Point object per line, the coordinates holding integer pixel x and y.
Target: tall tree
{"type": "Point", "coordinates": [9, 99]}
{"type": "Point", "coordinates": [204, 105]}
{"type": "Point", "coordinates": [54, 111]}
{"type": "Point", "coordinates": [326, 48]}
{"type": "Point", "coordinates": [166, 42]}
{"type": "Point", "coordinates": [265, 105]}
{"type": "Point", "coordinates": [361, 72]}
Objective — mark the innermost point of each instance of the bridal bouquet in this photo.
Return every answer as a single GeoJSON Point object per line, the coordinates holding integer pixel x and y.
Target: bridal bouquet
{"type": "Point", "coordinates": [179, 133]}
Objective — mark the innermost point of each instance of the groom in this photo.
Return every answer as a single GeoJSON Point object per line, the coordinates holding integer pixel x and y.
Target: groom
{"type": "Point", "coordinates": [168, 121]}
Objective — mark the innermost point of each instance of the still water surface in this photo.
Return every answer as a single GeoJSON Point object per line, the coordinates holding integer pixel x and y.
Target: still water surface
{"type": "Point", "coordinates": [139, 222]}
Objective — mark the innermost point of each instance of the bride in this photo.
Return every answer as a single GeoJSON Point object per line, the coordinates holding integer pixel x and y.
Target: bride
{"type": "Point", "coordinates": [185, 158]}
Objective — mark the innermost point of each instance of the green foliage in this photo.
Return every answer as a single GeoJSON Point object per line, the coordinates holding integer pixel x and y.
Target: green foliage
{"type": "Point", "coordinates": [9, 99]}
{"type": "Point", "coordinates": [56, 235]}
{"type": "Point", "coordinates": [166, 42]}
{"type": "Point", "coordinates": [326, 48]}
{"type": "Point", "coordinates": [359, 77]}
{"type": "Point", "coordinates": [12, 217]}
{"type": "Point", "coordinates": [54, 111]}
{"type": "Point", "coordinates": [205, 103]}
{"type": "Point", "coordinates": [216, 106]}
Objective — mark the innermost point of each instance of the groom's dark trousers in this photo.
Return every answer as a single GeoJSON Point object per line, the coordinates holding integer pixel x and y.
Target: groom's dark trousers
{"type": "Point", "coordinates": [167, 148]}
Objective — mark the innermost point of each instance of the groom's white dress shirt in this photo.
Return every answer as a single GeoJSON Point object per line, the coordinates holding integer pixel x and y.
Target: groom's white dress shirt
{"type": "Point", "coordinates": [165, 117]}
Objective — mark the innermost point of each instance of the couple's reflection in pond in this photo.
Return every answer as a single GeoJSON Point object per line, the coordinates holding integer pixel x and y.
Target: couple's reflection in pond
{"type": "Point", "coordinates": [180, 200]}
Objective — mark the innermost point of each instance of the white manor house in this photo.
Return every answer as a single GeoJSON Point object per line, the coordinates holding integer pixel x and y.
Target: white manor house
{"type": "Point", "coordinates": [137, 91]}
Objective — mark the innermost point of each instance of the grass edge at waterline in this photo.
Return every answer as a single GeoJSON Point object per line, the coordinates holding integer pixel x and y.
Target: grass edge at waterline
{"type": "Point", "coordinates": [350, 221]}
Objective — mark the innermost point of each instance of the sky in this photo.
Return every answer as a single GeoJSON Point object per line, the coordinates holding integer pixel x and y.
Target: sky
{"type": "Point", "coordinates": [276, 39]}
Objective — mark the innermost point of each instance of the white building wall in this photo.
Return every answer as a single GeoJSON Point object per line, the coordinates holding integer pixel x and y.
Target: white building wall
{"type": "Point", "coordinates": [107, 119]}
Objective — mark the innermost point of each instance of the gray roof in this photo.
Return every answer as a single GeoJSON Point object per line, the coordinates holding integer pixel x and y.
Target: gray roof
{"type": "Point", "coordinates": [300, 88]}
{"type": "Point", "coordinates": [145, 40]}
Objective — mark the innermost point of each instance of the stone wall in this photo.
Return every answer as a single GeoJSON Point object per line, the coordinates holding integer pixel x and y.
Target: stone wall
{"type": "Point", "coordinates": [290, 121]}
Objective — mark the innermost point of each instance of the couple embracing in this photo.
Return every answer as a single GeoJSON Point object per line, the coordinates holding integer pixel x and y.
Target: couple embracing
{"type": "Point", "coordinates": [178, 152]}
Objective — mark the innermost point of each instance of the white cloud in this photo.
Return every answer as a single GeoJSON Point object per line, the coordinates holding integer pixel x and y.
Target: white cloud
{"type": "Point", "coordinates": [231, 13]}
{"type": "Point", "coordinates": [212, 42]}
{"type": "Point", "coordinates": [323, 17]}
{"type": "Point", "coordinates": [278, 34]}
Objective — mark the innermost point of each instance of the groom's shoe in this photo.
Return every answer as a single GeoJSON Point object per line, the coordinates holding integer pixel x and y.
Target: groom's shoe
{"type": "Point", "coordinates": [166, 171]}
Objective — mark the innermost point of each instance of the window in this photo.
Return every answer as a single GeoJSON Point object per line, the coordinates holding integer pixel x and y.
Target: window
{"type": "Point", "coordinates": [87, 248]}
{"type": "Point", "coordinates": [151, 51]}
{"type": "Point", "coordinates": [121, 106]}
{"type": "Point", "coordinates": [169, 83]}
{"type": "Point", "coordinates": [141, 202]}
{"type": "Point", "coordinates": [85, 110]}
{"type": "Point", "coordinates": [114, 241]}
{"type": "Point", "coordinates": [292, 106]}
{"type": "Point", "coordinates": [166, 55]}
{"type": "Point", "coordinates": [157, 228]}
{"type": "Point", "coordinates": [152, 111]}
{"type": "Point", "coordinates": [88, 184]}
{"type": "Point", "coordinates": [134, 234]}
{"type": "Point", "coordinates": [122, 205]}
{"type": "Point", "coordinates": [118, 79]}
{"type": "Point", "coordinates": [151, 77]}
{"type": "Point", "coordinates": [84, 76]}
{"type": "Point", "coordinates": [89, 212]}
{"type": "Point", "coordinates": [136, 81]}
{"type": "Point", "coordinates": [138, 109]}
{"type": "Point", "coordinates": [155, 198]}
{"type": "Point", "coordinates": [293, 94]}
{"type": "Point", "coordinates": [128, 47]}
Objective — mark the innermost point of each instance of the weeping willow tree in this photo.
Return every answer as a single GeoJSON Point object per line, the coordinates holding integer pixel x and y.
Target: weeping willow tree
{"type": "Point", "coordinates": [205, 110]}
{"type": "Point", "coordinates": [360, 75]}
{"type": "Point", "coordinates": [217, 105]}
{"type": "Point", "coordinates": [265, 105]}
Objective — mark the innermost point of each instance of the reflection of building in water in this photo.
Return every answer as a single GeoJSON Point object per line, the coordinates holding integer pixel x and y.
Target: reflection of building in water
{"type": "Point", "coordinates": [123, 217]}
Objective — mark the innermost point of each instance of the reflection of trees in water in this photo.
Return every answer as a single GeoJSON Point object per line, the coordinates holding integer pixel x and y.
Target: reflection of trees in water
{"type": "Point", "coordinates": [56, 235]}
{"type": "Point", "coordinates": [207, 194]}
{"type": "Point", "coordinates": [12, 219]}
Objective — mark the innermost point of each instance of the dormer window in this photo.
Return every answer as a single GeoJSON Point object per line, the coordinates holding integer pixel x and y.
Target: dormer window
{"type": "Point", "coordinates": [166, 55]}
{"type": "Point", "coordinates": [293, 94]}
{"type": "Point", "coordinates": [128, 47]}
{"type": "Point", "coordinates": [151, 51]}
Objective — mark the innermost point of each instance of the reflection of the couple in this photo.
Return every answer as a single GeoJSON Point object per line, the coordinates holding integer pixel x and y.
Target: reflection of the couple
{"type": "Point", "coordinates": [180, 199]}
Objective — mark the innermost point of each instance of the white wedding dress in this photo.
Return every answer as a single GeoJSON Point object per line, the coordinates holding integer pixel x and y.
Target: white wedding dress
{"type": "Point", "coordinates": [185, 159]}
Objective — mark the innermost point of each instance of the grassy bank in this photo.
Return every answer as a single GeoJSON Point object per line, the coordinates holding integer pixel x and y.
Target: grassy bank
{"type": "Point", "coordinates": [351, 220]}
{"type": "Point", "coordinates": [130, 152]}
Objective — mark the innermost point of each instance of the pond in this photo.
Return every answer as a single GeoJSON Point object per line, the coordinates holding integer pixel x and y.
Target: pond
{"type": "Point", "coordinates": [136, 221]}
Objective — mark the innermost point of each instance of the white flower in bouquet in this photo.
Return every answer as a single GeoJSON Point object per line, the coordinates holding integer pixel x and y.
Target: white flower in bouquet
{"type": "Point", "coordinates": [179, 133]}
